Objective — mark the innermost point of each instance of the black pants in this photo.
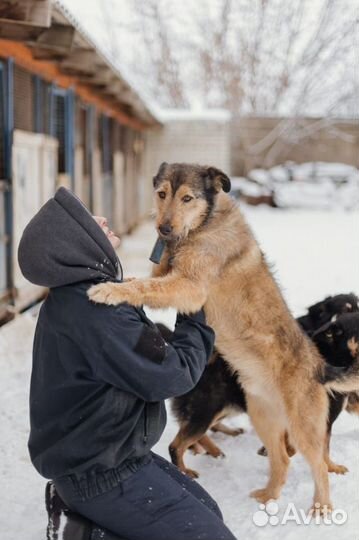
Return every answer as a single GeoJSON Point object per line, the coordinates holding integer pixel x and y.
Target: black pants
{"type": "Point", "coordinates": [157, 502]}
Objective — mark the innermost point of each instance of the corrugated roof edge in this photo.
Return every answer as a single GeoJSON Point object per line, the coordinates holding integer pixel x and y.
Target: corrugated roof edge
{"type": "Point", "coordinates": [151, 109]}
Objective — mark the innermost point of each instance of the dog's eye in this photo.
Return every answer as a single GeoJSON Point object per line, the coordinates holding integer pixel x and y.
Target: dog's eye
{"type": "Point", "coordinates": [329, 334]}
{"type": "Point", "coordinates": [187, 198]}
{"type": "Point", "coordinates": [162, 194]}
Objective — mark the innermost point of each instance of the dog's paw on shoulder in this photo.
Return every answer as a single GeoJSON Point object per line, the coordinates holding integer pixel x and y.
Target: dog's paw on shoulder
{"type": "Point", "coordinates": [103, 293]}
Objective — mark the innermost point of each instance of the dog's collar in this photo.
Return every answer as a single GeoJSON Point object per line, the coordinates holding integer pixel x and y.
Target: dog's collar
{"type": "Point", "coordinates": [157, 250]}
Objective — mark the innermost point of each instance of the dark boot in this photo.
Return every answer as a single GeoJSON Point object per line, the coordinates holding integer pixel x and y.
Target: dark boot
{"type": "Point", "coordinates": [64, 524]}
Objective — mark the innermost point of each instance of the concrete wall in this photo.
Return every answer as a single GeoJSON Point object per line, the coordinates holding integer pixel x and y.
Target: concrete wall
{"type": "Point", "coordinates": [192, 138]}
{"type": "Point", "coordinates": [211, 137]}
{"type": "Point", "coordinates": [338, 142]}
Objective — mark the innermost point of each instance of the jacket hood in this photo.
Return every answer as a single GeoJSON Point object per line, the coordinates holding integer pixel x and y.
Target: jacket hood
{"type": "Point", "coordinates": [63, 244]}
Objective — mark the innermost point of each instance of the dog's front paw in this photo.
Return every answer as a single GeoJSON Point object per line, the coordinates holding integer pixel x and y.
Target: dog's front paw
{"type": "Point", "coordinates": [321, 509]}
{"type": "Point", "coordinates": [264, 495]}
{"type": "Point", "coordinates": [105, 293]}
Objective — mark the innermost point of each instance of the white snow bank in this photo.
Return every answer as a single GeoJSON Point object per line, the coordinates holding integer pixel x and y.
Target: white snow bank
{"type": "Point", "coordinates": [305, 185]}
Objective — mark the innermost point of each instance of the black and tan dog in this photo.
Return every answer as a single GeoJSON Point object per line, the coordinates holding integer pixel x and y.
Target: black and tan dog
{"type": "Point", "coordinates": [338, 342]}
{"type": "Point", "coordinates": [219, 394]}
{"type": "Point", "coordinates": [324, 311]}
{"type": "Point", "coordinates": [213, 260]}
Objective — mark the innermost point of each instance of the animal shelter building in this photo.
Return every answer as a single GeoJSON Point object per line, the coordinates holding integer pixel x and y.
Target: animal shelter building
{"type": "Point", "coordinates": [67, 117]}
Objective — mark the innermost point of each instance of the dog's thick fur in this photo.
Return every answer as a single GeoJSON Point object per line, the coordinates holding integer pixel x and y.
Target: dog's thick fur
{"type": "Point", "coordinates": [219, 394]}
{"type": "Point", "coordinates": [213, 259]}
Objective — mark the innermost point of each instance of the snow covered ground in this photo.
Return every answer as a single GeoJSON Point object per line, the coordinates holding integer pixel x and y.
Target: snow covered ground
{"type": "Point", "coordinates": [316, 253]}
{"type": "Point", "coordinates": [315, 185]}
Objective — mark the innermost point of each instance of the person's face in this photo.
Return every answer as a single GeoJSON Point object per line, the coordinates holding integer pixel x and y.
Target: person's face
{"type": "Point", "coordinates": [113, 239]}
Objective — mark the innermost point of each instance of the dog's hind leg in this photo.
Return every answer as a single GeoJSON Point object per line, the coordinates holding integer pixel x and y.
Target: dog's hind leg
{"type": "Point", "coordinates": [337, 403]}
{"type": "Point", "coordinates": [272, 433]}
{"type": "Point", "coordinates": [184, 439]}
{"type": "Point", "coordinates": [196, 449]}
{"type": "Point", "coordinates": [222, 428]}
{"type": "Point", "coordinates": [211, 448]}
{"type": "Point", "coordinates": [310, 440]}
{"type": "Point", "coordinates": [332, 467]}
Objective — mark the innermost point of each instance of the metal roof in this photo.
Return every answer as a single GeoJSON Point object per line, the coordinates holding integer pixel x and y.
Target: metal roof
{"type": "Point", "coordinates": [49, 32]}
{"type": "Point", "coordinates": [135, 97]}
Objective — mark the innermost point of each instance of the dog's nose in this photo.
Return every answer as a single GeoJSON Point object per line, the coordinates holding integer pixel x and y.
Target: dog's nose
{"type": "Point", "coordinates": [165, 229]}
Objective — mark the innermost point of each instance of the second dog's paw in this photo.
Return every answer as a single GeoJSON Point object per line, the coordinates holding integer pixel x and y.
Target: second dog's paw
{"type": "Point", "coordinates": [263, 495]}
{"type": "Point", "coordinates": [103, 293]}
{"type": "Point", "coordinates": [337, 469]}
{"type": "Point", "coordinates": [216, 453]}
{"type": "Point", "coordinates": [191, 473]}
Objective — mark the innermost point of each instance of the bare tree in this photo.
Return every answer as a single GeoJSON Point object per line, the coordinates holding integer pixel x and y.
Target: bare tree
{"type": "Point", "coordinates": [282, 60]}
{"type": "Point", "coordinates": [161, 59]}
{"type": "Point", "coordinates": [261, 57]}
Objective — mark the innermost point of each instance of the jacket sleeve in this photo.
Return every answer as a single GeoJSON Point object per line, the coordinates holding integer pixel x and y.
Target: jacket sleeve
{"type": "Point", "coordinates": [136, 359]}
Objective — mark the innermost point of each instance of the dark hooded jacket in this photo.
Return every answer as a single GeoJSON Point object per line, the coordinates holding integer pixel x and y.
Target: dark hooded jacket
{"type": "Point", "coordinates": [100, 373]}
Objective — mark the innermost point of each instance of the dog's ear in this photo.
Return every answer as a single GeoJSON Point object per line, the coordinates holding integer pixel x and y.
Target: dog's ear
{"type": "Point", "coordinates": [219, 179]}
{"type": "Point", "coordinates": [160, 172]}
{"type": "Point", "coordinates": [318, 310]}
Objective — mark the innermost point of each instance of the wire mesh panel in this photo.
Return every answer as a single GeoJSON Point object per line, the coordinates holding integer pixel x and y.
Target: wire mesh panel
{"type": "Point", "coordinates": [23, 99]}
{"type": "Point", "coordinates": [42, 104]}
{"type": "Point", "coordinates": [59, 128]}
{"type": "Point", "coordinates": [107, 167]}
{"type": "Point", "coordinates": [62, 127]}
{"type": "Point", "coordinates": [46, 106]}
{"type": "Point", "coordinates": [5, 255]}
{"type": "Point", "coordinates": [90, 120]}
{"type": "Point", "coordinates": [79, 142]}
{"type": "Point", "coordinates": [131, 189]}
{"type": "Point", "coordinates": [2, 120]}
{"type": "Point", "coordinates": [118, 179]}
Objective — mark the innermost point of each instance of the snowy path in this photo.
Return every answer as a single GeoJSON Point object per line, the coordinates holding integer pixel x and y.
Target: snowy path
{"type": "Point", "coordinates": [315, 254]}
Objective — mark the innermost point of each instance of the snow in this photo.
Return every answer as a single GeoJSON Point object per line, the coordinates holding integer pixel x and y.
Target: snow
{"type": "Point", "coordinates": [316, 253]}
{"type": "Point", "coordinates": [240, 184]}
{"type": "Point", "coordinates": [306, 185]}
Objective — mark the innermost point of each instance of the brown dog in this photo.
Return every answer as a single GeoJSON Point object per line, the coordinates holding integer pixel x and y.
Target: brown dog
{"type": "Point", "coordinates": [213, 259]}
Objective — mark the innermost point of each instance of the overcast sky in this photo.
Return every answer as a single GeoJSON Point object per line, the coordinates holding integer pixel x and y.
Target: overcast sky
{"type": "Point", "coordinates": [112, 25]}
